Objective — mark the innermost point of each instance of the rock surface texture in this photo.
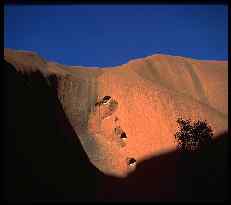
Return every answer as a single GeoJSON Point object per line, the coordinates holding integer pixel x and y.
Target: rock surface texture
{"type": "Point", "coordinates": [127, 114]}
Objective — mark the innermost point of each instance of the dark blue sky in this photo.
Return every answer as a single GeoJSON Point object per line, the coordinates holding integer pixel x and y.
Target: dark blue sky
{"type": "Point", "coordinates": [109, 35]}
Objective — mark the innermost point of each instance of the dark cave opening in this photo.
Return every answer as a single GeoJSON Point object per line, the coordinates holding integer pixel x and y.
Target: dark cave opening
{"type": "Point", "coordinates": [106, 99]}
{"type": "Point", "coordinates": [123, 136]}
{"type": "Point", "coordinates": [131, 161]}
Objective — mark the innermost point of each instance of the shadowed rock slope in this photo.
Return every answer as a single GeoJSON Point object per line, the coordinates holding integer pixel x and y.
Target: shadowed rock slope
{"type": "Point", "coordinates": [127, 114]}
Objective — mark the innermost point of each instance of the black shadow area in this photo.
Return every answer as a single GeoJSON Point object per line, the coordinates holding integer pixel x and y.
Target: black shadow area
{"type": "Point", "coordinates": [43, 159]}
{"type": "Point", "coordinates": [175, 176]}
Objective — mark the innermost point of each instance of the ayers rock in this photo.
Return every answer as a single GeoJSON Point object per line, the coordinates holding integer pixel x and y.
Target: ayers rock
{"type": "Point", "coordinates": [126, 114]}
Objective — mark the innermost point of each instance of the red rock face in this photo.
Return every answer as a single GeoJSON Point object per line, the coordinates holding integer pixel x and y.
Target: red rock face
{"type": "Point", "coordinates": [127, 114]}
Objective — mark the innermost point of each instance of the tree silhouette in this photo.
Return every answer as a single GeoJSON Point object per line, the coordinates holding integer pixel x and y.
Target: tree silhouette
{"type": "Point", "coordinates": [193, 137]}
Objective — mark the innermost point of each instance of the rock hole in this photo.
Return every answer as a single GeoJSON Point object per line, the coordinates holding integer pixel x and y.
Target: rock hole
{"type": "Point", "coordinates": [123, 135]}
{"type": "Point", "coordinates": [131, 162]}
{"type": "Point", "coordinates": [106, 99]}
{"type": "Point", "coordinates": [107, 106]}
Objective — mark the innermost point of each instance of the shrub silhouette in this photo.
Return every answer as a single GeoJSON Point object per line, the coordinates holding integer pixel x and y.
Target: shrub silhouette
{"type": "Point", "coordinates": [193, 137]}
